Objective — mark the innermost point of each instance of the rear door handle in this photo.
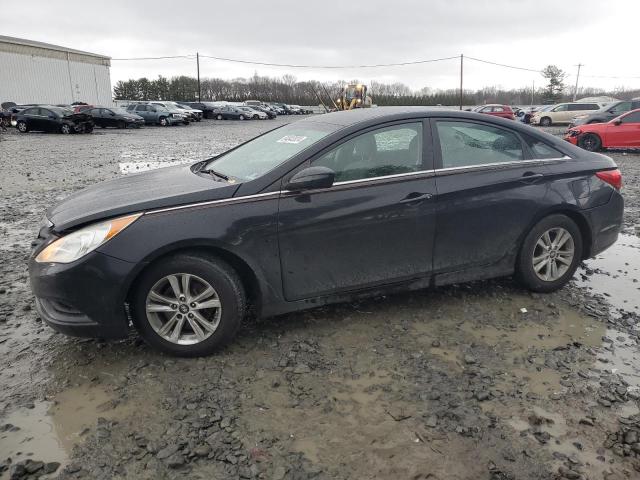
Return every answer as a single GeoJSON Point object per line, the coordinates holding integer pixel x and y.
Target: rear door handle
{"type": "Point", "coordinates": [530, 177]}
{"type": "Point", "coordinates": [415, 198]}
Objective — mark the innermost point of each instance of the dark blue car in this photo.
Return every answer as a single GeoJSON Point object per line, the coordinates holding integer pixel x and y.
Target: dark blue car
{"type": "Point", "coordinates": [325, 209]}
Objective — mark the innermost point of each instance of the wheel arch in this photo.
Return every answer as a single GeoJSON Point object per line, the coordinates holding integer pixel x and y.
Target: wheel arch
{"type": "Point", "coordinates": [574, 214]}
{"type": "Point", "coordinates": [247, 274]}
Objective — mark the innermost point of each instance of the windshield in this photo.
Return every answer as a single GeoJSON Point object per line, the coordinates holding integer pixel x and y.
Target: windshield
{"type": "Point", "coordinates": [546, 109]}
{"type": "Point", "coordinates": [264, 153]}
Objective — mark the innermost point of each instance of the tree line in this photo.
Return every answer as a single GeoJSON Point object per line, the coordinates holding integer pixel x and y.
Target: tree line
{"type": "Point", "coordinates": [287, 89]}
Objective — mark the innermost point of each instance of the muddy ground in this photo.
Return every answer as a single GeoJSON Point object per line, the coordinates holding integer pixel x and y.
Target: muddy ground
{"type": "Point", "coordinates": [476, 381]}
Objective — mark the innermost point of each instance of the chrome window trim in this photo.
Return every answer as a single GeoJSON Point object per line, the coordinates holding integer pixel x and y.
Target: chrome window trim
{"type": "Point", "coordinates": [384, 177]}
{"type": "Point", "coordinates": [507, 164]}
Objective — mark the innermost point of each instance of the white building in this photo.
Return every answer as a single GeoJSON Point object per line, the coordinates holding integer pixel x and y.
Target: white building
{"type": "Point", "coordinates": [36, 72]}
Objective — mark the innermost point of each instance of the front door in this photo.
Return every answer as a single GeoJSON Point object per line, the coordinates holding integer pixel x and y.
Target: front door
{"type": "Point", "coordinates": [374, 226]}
{"type": "Point", "coordinates": [626, 134]}
{"type": "Point", "coordinates": [491, 182]}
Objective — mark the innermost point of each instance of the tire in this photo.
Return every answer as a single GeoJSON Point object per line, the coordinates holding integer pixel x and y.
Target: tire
{"type": "Point", "coordinates": [556, 225]}
{"type": "Point", "coordinates": [219, 117]}
{"type": "Point", "coordinates": [65, 129]}
{"type": "Point", "coordinates": [163, 121]}
{"type": "Point", "coordinates": [545, 122]}
{"type": "Point", "coordinates": [256, 117]}
{"type": "Point", "coordinates": [204, 270]}
{"type": "Point", "coordinates": [241, 117]}
{"type": "Point", "coordinates": [122, 124]}
{"type": "Point", "coordinates": [22, 126]}
{"type": "Point", "coordinates": [590, 142]}
{"type": "Point", "coordinates": [88, 129]}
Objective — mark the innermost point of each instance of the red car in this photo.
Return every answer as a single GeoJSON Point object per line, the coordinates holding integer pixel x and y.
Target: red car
{"type": "Point", "coordinates": [81, 108]}
{"type": "Point", "coordinates": [621, 132]}
{"type": "Point", "coordinates": [496, 110]}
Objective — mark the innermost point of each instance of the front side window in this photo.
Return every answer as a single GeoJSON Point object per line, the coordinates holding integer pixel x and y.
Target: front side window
{"type": "Point", "coordinates": [621, 107]}
{"type": "Point", "coordinates": [386, 151]}
{"type": "Point", "coordinates": [561, 108]}
{"type": "Point", "coordinates": [464, 144]}
{"type": "Point", "coordinates": [631, 118]}
{"type": "Point", "coordinates": [141, 108]}
{"type": "Point", "coordinates": [264, 153]}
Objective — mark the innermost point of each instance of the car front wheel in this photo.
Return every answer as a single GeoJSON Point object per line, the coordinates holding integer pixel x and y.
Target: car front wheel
{"type": "Point", "coordinates": [65, 129]}
{"type": "Point", "coordinates": [590, 142]}
{"type": "Point", "coordinates": [163, 121]}
{"type": "Point", "coordinates": [550, 254]}
{"type": "Point", "coordinates": [189, 305]}
{"type": "Point", "coordinates": [545, 121]}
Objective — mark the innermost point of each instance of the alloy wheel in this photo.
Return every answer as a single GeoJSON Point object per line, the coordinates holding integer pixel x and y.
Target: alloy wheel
{"type": "Point", "coordinates": [553, 254]}
{"type": "Point", "coordinates": [183, 309]}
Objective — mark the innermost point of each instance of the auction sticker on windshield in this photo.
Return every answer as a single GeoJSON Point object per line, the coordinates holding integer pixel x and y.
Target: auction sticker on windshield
{"type": "Point", "coordinates": [292, 139]}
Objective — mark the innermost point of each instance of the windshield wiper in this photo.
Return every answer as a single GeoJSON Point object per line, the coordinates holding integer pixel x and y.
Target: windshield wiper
{"type": "Point", "coordinates": [217, 174]}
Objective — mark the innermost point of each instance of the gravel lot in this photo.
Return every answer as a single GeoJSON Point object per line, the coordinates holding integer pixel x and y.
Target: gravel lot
{"type": "Point", "coordinates": [476, 381]}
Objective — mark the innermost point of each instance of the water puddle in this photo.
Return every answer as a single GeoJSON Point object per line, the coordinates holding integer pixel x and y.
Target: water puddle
{"type": "Point", "coordinates": [615, 273]}
{"type": "Point", "coordinates": [49, 431]}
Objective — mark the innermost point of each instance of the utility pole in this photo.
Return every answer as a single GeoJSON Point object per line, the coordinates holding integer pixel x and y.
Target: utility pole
{"type": "Point", "coordinates": [533, 90]}
{"type": "Point", "coordinates": [461, 73]}
{"type": "Point", "coordinates": [575, 90]}
{"type": "Point", "coordinates": [198, 66]}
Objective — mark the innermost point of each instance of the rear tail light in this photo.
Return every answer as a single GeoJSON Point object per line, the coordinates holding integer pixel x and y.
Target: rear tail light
{"type": "Point", "coordinates": [612, 177]}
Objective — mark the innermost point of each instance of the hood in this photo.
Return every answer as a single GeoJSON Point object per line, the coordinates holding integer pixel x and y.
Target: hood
{"type": "Point", "coordinates": [163, 187]}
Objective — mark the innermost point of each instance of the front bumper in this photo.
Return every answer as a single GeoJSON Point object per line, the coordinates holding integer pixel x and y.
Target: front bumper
{"type": "Point", "coordinates": [571, 139]}
{"type": "Point", "coordinates": [84, 298]}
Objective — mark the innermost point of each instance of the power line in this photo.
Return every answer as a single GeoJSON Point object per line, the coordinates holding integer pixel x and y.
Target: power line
{"type": "Point", "coordinates": [503, 65]}
{"type": "Point", "coordinates": [289, 65]}
{"type": "Point", "coordinates": [153, 58]}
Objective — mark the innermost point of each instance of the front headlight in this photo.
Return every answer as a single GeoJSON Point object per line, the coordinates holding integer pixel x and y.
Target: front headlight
{"type": "Point", "coordinates": [76, 245]}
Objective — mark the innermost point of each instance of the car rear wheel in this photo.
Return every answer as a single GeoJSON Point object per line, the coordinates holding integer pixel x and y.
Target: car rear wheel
{"type": "Point", "coordinates": [163, 121]}
{"type": "Point", "coordinates": [65, 129]}
{"type": "Point", "coordinates": [219, 117]}
{"type": "Point", "coordinates": [590, 142]}
{"type": "Point", "coordinates": [241, 117]}
{"type": "Point", "coordinates": [545, 121]}
{"type": "Point", "coordinates": [550, 254]}
{"type": "Point", "coordinates": [22, 127]}
{"type": "Point", "coordinates": [189, 305]}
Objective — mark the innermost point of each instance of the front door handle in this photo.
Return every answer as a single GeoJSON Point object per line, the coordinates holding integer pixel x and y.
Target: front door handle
{"type": "Point", "coordinates": [415, 198]}
{"type": "Point", "coordinates": [530, 177]}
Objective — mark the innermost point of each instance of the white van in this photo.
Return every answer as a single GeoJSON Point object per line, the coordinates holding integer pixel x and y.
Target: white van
{"type": "Point", "coordinates": [562, 113]}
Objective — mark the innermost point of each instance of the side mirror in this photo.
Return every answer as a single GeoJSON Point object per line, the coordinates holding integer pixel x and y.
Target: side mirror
{"type": "Point", "coordinates": [311, 178]}
{"type": "Point", "coordinates": [617, 121]}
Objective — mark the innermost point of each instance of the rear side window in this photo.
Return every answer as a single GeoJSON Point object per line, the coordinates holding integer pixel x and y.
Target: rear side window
{"type": "Point", "coordinates": [31, 111]}
{"type": "Point", "coordinates": [583, 106]}
{"type": "Point", "coordinates": [541, 150]}
{"type": "Point", "coordinates": [141, 108]}
{"type": "Point", "coordinates": [465, 144]}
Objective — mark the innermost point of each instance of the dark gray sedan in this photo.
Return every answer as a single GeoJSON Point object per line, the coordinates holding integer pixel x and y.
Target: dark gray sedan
{"type": "Point", "coordinates": [326, 209]}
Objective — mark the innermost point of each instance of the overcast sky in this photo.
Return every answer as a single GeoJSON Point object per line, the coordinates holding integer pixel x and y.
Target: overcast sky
{"type": "Point", "coordinates": [527, 33]}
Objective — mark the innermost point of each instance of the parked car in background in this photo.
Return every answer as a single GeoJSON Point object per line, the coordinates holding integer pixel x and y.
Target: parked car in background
{"type": "Point", "coordinates": [253, 113]}
{"type": "Point", "coordinates": [295, 110]}
{"type": "Point", "coordinates": [621, 132]}
{"type": "Point", "coordinates": [230, 112]}
{"type": "Point", "coordinates": [156, 114]}
{"type": "Point", "coordinates": [116, 117]}
{"type": "Point", "coordinates": [269, 112]}
{"type": "Point", "coordinates": [186, 118]}
{"type": "Point", "coordinates": [293, 218]}
{"type": "Point", "coordinates": [606, 113]}
{"type": "Point", "coordinates": [562, 113]}
{"type": "Point", "coordinates": [53, 119]}
{"type": "Point", "coordinates": [193, 114]}
{"type": "Point", "coordinates": [207, 108]}
{"type": "Point", "coordinates": [502, 111]}
{"type": "Point", "coordinates": [278, 109]}
{"type": "Point", "coordinates": [525, 114]}
{"type": "Point", "coordinates": [80, 108]}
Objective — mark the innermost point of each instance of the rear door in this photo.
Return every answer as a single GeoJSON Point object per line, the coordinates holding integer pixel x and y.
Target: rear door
{"type": "Point", "coordinates": [32, 118]}
{"type": "Point", "coordinates": [491, 183]}
{"type": "Point", "coordinates": [48, 121]}
{"type": "Point", "coordinates": [96, 114]}
{"type": "Point", "coordinates": [144, 113]}
{"type": "Point", "coordinates": [374, 226]}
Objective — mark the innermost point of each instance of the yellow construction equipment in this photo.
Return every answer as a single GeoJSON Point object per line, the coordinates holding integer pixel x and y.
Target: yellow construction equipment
{"type": "Point", "coordinates": [353, 96]}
